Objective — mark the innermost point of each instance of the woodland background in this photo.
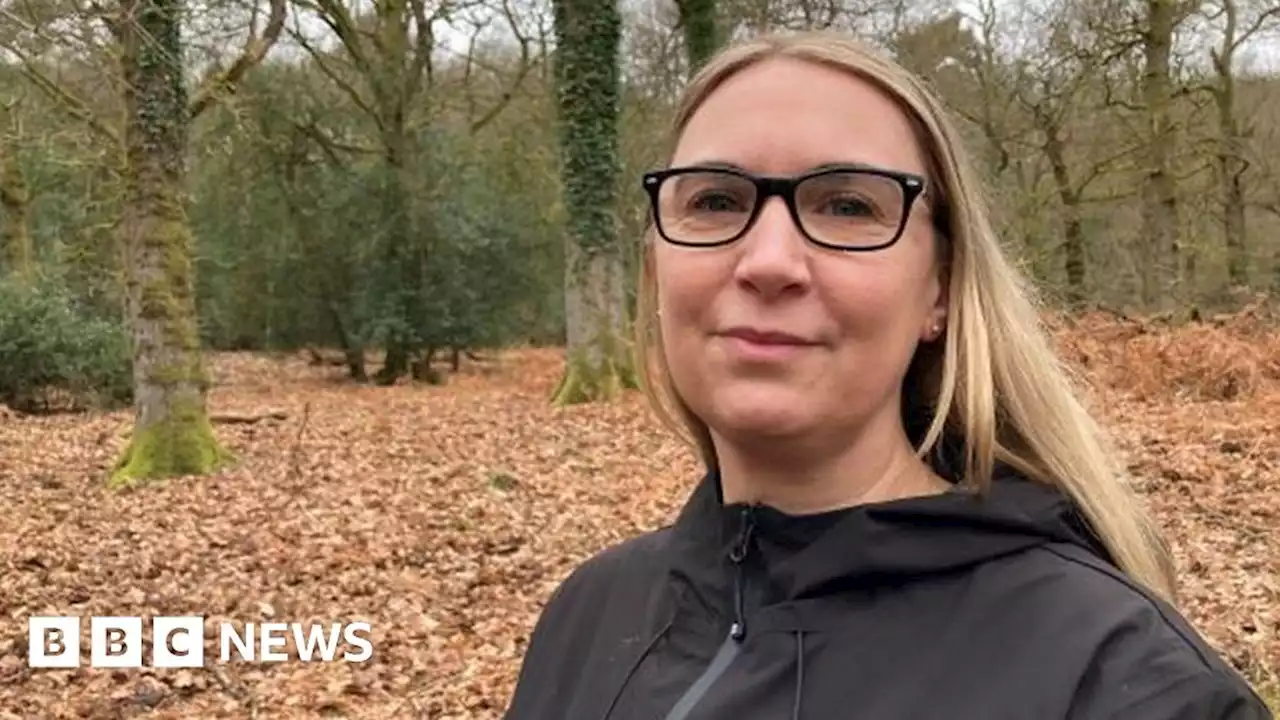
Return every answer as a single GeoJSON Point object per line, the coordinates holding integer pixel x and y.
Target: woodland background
{"type": "Point", "coordinates": [359, 274]}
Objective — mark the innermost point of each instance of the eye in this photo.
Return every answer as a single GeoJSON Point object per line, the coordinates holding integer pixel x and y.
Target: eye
{"type": "Point", "coordinates": [715, 201]}
{"type": "Point", "coordinates": [849, 206]}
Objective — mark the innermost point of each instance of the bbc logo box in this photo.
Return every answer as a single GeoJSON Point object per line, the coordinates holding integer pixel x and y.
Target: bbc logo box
{"type": "Point", "coordinates": [115, 642]}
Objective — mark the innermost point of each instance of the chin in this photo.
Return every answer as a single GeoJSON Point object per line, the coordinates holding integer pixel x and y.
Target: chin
{"type": "Point", "coordinates": [761, 412]}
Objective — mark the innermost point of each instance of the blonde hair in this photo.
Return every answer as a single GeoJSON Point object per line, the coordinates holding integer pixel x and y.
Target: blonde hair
{"type": "Point", "coordinates": [995, 381]}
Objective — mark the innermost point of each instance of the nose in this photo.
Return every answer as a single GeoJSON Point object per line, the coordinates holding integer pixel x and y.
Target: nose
{"type": "Point", "coordinates": [774, 258]}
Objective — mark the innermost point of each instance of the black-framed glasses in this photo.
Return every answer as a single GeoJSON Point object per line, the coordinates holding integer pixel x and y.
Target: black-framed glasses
{"type": "Point", "coordinates": [841, 207]}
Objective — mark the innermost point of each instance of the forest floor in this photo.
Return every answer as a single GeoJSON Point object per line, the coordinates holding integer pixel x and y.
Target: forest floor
{"type": "Point", "coordinates": [445, 515]}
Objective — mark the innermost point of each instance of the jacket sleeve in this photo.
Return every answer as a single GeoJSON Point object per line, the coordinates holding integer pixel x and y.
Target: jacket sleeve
{"type": "Point", "coordinates": [560, 654]}
{"type": "Point", "coordinates": [1157, 668]}
{"type": "Point", "coordinates": [548, 651]}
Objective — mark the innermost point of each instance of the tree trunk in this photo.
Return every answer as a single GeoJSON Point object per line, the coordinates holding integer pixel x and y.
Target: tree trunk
{"type": "Point", "coordinates": [172, 433]}
{"type": "Point", "coordinates": [1233, 221]}
{"type": "Point", "coordinates": [352, 348]}
{"type": "Point", "coordinates": [599, 356]}
{"type": "Point", "coordinates": [391, 99]}
{"type": "Point", "coordinates": [19, 251]}
{"type": "Point", "coordinates": [599, 359]}
{"type": "Point", "coordinates": [1069, 196]}
{"type": "Point", "coordinates": [701, 35]}
{"type": "Point", "coordinates": [399, 269]}
{"type": "Point", "coordinates": [1274, 208]}
{"type": "Point", "coordinates": [16, 236]}
{"type": "Point", "coordinates": [1161, 286]}
{"type": "Point", "coordinates": [1229, 165]}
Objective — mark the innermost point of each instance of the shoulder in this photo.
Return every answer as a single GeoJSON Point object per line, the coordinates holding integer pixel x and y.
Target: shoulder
{"type": "Point", "coordinates": [600, 603]}
{"type": "Point", "coordinates": [616, 568]}
{"type": "Point", "coordinates": [616, 583]}
{"type": "Point", "coordinates": [1139, 657]}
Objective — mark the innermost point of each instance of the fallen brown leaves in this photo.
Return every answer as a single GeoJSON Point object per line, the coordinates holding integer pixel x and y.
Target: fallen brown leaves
{"type": "Point", "coordinates": [444, 516]}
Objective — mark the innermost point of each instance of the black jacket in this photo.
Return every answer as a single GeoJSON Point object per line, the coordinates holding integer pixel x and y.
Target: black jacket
{"type": "Point", "coordinates": [943, 607]}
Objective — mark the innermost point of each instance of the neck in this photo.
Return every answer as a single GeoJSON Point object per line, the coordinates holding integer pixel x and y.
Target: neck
{"type": "Point", "coordinates": [879, 466]}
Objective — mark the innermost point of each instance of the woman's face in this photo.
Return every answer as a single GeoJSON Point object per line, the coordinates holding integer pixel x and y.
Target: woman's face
{"type": "Point", "coordinates": [854, 318]}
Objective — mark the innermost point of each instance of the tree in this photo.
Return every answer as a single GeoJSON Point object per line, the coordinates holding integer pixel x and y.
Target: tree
{"type": "Point", "coordinates": [943, 47]}
{"type": "Point", "coordinates": [1056, 91]}
{"type": "Point", "coordinates": [385, 67]}
{"type": "Point", "coordinates": [976, 62]}
{"type": "Point", "coordinates": [1133, 42]}
{"type": "Point", "coordinates": [1230, 161]}
{"type": "Point", "coordinates": [599, 362]}
{"type": "Point", "coordinates": [1267, 176]}
{"type": "Point", "coordinates": [172, 432]}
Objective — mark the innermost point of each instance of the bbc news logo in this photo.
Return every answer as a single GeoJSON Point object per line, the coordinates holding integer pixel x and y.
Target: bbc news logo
{"type": "Point", "coordinates": [179, 642]}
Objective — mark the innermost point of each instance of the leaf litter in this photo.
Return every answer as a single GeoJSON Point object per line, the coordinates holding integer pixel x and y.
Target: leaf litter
{"type": "Point", "coordinates": [444, 516]}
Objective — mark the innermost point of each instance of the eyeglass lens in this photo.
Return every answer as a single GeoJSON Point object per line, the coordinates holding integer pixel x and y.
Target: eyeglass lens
{"type": "Point", "coordinates": [843, 208]}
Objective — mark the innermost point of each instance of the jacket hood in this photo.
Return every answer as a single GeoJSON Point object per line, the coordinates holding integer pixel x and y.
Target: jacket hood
{"type": "Point", "coordinates": [889, 542]}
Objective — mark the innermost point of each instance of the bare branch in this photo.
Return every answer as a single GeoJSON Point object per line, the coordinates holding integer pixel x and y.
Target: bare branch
{"type": "Point", "coordinates": [74, 106]}
{"type": "Point", "coordinates": [469, 62]}
{"type": "Point", "coordinates": [526, 65]}
{"type": "Point", "coordinates": [94, 10]}
{"type": "Point", "coordinates": [421, 68]}
{"type": "Point", "coordinates": [1105, 165]}
{"type": "Point", "coordinates": [329, 71]}
{"type": "Point", "coordinates": [1110, 99]}
{"type": "Point", "coordinates": [313, 131]}
{"type": "Point", "coordinates": [1259, 24]}
{"type": "Point", "coordinates": [1116, 52]}
{"type": "Point", "coordinates": [340, 22]}
{"type": "Point", "coordinates": [254, 51]}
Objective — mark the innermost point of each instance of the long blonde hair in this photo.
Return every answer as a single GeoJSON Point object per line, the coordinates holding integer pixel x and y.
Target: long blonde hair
{"type": "Point", "coordinates": [996, 381]}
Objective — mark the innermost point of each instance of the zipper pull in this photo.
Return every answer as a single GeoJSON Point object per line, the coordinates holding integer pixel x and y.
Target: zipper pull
{"type": "Point", "coordinates": [737, 554]}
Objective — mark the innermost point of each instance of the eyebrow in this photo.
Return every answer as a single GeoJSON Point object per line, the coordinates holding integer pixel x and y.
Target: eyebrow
{"type": "Point", "coordinates": [719, 165]}
{"type": "Point", "coordinates": [726, 165]}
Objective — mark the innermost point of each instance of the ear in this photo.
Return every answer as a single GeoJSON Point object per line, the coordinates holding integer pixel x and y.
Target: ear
{"type": "Point", "coordinates": [935, 322]}
{"type": "Point", "coordinates": [935, 326]}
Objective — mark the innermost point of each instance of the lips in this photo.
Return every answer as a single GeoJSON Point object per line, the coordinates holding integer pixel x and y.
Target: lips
{"type": "Point", "coordinates": [766, 337]}
{"type": "Point", "coordinates": [765, 347]}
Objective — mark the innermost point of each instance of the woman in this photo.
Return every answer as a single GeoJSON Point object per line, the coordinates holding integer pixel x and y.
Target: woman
{"type": "Point", "coordinates": [907, 513]}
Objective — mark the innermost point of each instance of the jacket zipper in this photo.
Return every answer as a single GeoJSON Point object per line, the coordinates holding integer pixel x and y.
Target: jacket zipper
{"type": "Point", "coordinates": [738, 555]}
{"type": "Point", "coordinates": [732, 644]}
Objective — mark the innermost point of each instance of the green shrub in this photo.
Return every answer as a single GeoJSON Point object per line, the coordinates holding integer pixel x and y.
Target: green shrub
{"type": "Point", "coordinates": [56, 356]}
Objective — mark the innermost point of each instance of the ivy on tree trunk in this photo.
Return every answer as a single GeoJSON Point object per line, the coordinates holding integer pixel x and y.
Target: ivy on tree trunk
{"type": "Point", "coordinates": [701, 37]}
{"type": "Point", "coordinates": [588, 93]}
{"type": "Point", "coordinates": [172, 432]}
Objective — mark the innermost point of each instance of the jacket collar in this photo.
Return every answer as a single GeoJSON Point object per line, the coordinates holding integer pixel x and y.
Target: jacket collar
{"type": "Point", "coordinates": [888, 542]}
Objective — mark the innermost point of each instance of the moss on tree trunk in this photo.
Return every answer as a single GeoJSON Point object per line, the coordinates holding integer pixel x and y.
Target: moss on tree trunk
{"type": "Point", "coordinates": [599, 363]}
{"type": "Point", "coordinates": [172, 433]}
{"type": "Point", "coordinates": [182, 443]}
{"type": "Point", "coordinates": [584, 381]}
